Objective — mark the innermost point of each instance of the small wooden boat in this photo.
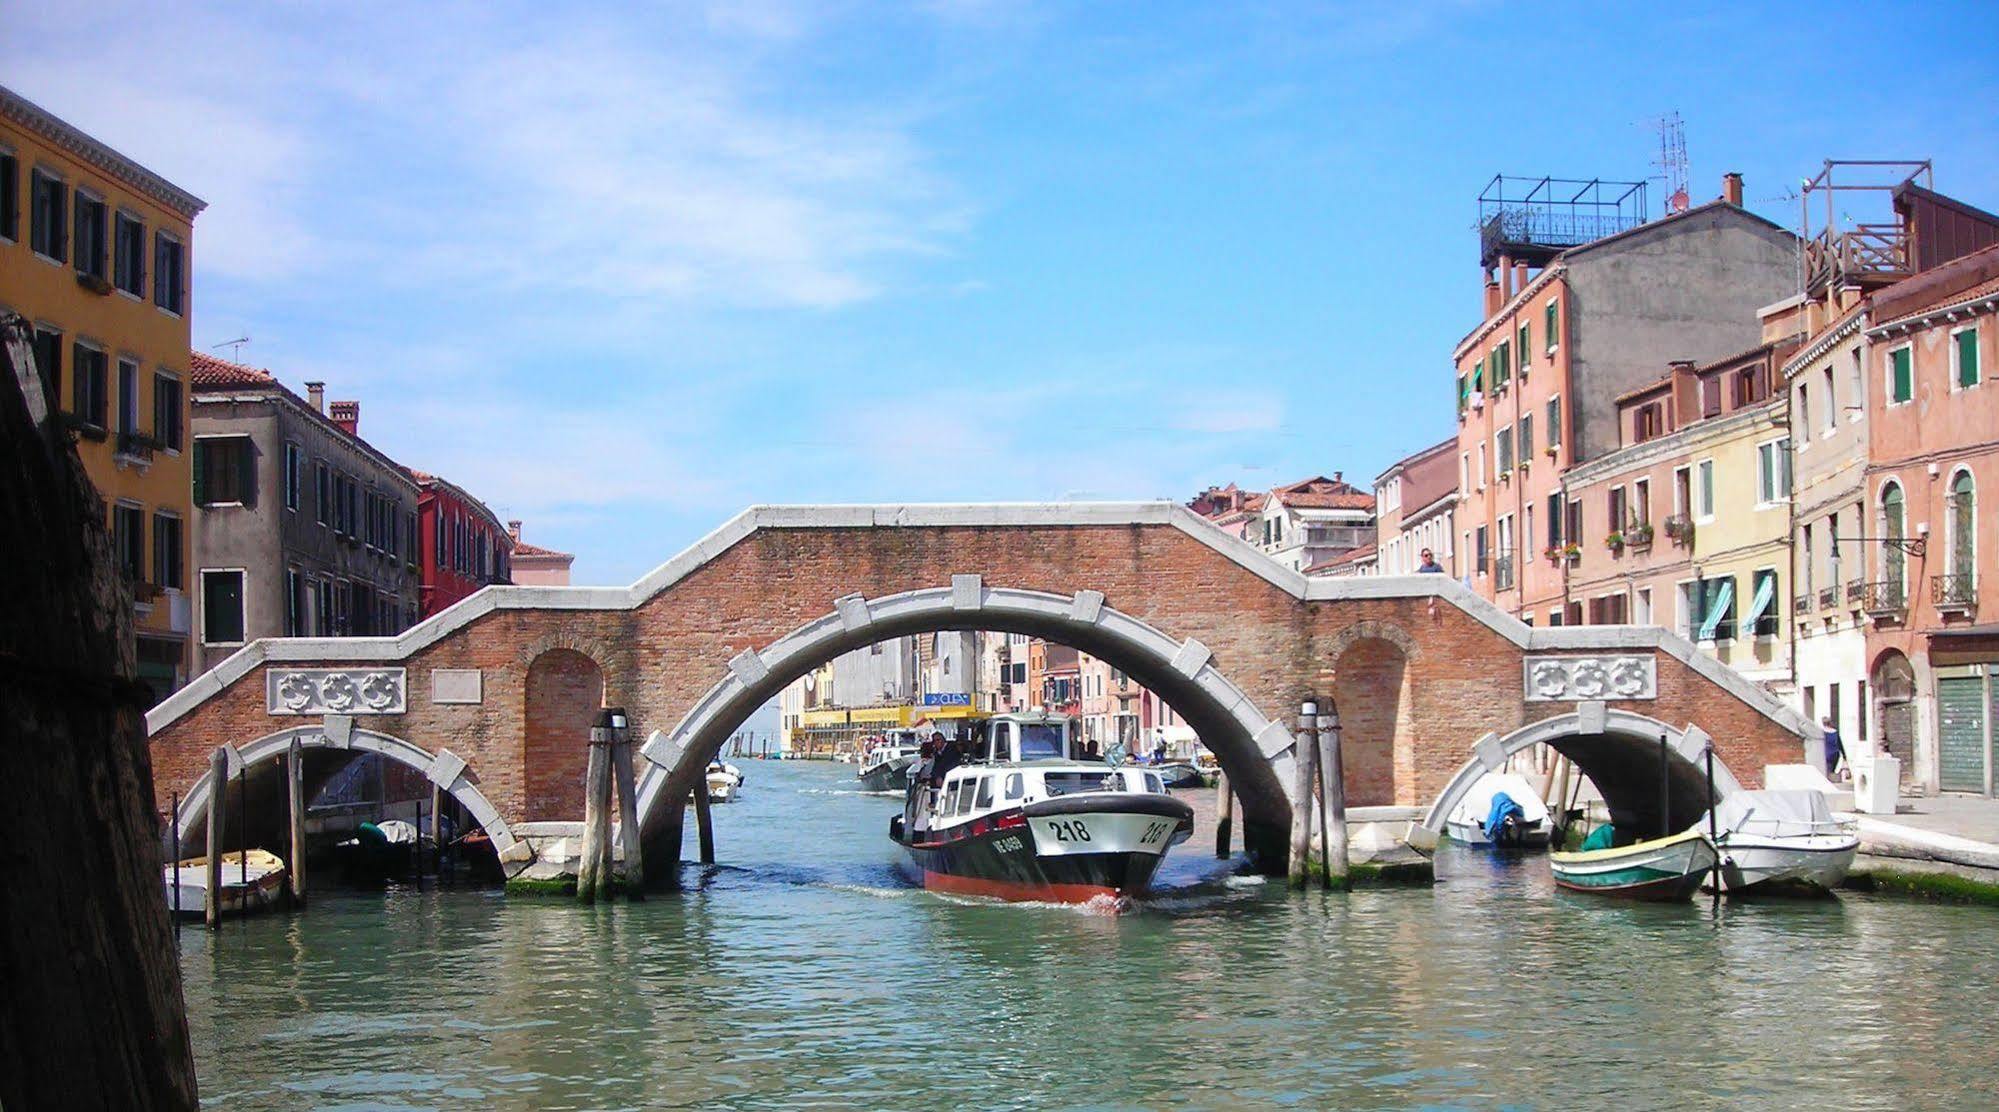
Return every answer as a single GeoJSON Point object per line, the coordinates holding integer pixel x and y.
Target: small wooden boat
{"type": "Point", "coordinates": [377, 853]}
{"type": "Point", "coordinates": [1476, 822]}
{"type": "Point", "coordinates": [253, 885]}
{"type": "Point", "coordinates": [1773, 840]}
{"type": "Point", "coordinates": [1669, 868]}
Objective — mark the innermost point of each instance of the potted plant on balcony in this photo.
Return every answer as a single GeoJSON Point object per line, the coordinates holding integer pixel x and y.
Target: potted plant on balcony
{"type": "Point", "coordinates": [1572, 552]}
{"type": "Point", "coordinates": [1638, 535]}
{"type": "Point", "coordinates": [1614, 541]}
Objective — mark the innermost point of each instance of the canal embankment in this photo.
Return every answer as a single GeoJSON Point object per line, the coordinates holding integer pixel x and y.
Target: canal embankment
{"type": "Point", "coordinates": [1943, 847]}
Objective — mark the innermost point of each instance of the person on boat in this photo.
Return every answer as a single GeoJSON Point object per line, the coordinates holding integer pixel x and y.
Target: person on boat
{"type": "Point", "coordinates": [1834, 750]}
{"type": "Point", "coordinates": [948, 757]}
{"type": "Point", "coordinates": [1429, 566]}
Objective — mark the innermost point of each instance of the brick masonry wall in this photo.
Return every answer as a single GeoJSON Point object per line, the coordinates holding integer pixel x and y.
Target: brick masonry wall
{"type": "Point", "coordinates": [564, 691]}
{"type": "Point", "coordinates": [1461, 679]}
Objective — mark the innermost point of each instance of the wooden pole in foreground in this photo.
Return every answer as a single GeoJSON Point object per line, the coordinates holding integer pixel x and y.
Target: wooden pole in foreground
{"type": "Point", "coordinates": [1333, 779]}
{"type": "Point", "coordinates": [628, 814]}
{"type": "Point", "coordinates": [437, 832]}
{"type": "Point", "coordinates": [295, 786]}
{"type": "Point", "coordinates": [590, 881]}
{"type": "Point", "coordinates": [218, 794]}
{"type": "Point", "coordinates": [704, 820]}
{"type": "Point", "coordinates": [1224, 815]}
{"type": "Point", "coordinates": [1305, 753]}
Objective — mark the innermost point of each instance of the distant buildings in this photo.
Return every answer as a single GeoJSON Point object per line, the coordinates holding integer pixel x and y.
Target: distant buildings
{"type": "Point", "coordinates": [1415, 500]}
{"type": "Point", "coordinates": [531, 565]}
{"type": "Point", "coordinates": [464, 546]}
{"type": "Point", "coordinates": [94, 254]}
{"type": "Point", "coordinates": [1307, 526]}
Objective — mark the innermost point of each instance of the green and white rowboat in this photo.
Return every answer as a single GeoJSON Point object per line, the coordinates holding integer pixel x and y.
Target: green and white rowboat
{"type": "Point", "coordinates": [1661, 869]}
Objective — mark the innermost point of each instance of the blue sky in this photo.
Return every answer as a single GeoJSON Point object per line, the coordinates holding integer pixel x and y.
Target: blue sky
{"type": "Point", "coordinates": [623, 275]}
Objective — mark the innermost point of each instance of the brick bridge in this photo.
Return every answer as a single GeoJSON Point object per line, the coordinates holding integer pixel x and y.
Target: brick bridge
{"type": "Point", "coordinates": [492, 698]}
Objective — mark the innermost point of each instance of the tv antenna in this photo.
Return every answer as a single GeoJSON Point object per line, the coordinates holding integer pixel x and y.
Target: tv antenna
{"type": "Point", "coordinates": [235, 347]}
{"type": "Point", "coordinates": [1672, 161]}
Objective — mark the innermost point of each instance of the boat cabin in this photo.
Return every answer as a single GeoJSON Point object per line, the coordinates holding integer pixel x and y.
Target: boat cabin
{"type": "Point", "coordinates": [1014, 738]}
{"type": "Point", "coordinates": [1024, 758]}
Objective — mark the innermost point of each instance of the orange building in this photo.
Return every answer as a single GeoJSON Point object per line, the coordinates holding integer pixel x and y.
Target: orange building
{"type": "Point", "coordinates": [96, 253]}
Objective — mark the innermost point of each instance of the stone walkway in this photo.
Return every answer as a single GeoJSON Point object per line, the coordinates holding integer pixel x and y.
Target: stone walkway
{"type": "Point", "coordinates": [1964, 816]}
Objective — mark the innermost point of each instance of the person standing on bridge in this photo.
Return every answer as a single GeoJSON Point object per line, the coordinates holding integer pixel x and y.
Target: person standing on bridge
{"type": "Point", "coordinates": [1429, 566]}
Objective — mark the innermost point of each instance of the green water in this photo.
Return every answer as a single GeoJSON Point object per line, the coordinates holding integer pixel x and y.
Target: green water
{"type": "Point", "coordinates": [810, 973]}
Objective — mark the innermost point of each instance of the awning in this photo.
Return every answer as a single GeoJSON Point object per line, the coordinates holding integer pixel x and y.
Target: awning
{"type": "Point", "coordinates": [1716, 609]}
{"type": "Point", "coordinates": [1766, 593]}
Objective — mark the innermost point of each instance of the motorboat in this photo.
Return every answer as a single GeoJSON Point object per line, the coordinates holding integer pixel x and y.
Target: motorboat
{"type": "Point", "coordinates": [725, 781]}
{"type": "Point", "coordinates": [1501, 809]}
{"type": "Point", "coordinates": [1179, 774]}
{"type": "Point", "coordinates": [252, 880]}
{"type": "Point", "coordinates": [885, 764]}
{"type": "Point", "coordinates": [377, 853]}
{"type": "Point", "coordinates": [1773, 840]}
{"type": "Point", "coordinates": [1016, 815]}
{"type": "Point", "coordinates": [1669, 868]}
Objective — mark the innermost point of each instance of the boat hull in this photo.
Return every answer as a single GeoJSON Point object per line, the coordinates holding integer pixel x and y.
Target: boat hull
{"type": "Point", "coordinates": [1663, 869]}
{"type": "Point", "coordinates": [264, 889]}
{"type": "Point", "coordinates": [1534, 836]}
{"type": "Point", "coordinates": [1753, 864]}
{"type": "Point", "coordinates": [890, 776]}
{"type": "Point", "coordinates": [1067, 850]}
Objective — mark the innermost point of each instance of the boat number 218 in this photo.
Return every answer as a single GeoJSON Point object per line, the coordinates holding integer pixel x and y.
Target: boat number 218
{"type": "Point", "coordinates": [1068, 831]}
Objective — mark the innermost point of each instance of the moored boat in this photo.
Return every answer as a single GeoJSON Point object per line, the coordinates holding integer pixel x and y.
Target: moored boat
{"type": "Point", "coordinates": [1502, 809]}
{"type": "Point", "coordinates": [1772, 840]}
{"type": "Point", "coordinates": [1669, 868]}
{"type": "Point", "coordinates": [254, 884]}
{"type": "Point", "coordinates": [1179, 774]}
{"type": "Point", "coordinates": [1019, 818]}
{"type": "Point", "coordinates": [725, 781]}
{"type": "Point", "coordinates": [885, 764]}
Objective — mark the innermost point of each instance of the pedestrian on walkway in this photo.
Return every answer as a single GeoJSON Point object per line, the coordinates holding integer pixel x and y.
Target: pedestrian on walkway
{"type": "Point", "coordinates": [1429, 566]}
{"type": "Point", "coordinates": [1834, 751]}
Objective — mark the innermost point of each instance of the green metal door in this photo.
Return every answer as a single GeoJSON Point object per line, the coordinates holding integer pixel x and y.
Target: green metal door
{"type": "Point", "coordinates": [1961, 734]}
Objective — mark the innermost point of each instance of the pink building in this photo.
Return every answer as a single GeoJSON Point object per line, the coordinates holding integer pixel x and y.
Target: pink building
{"type": "Point", "coordinates": [535, 566]}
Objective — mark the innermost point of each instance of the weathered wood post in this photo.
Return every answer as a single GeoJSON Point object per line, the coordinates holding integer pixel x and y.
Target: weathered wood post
{"type": "Point", "coordinates": [295, 789]}
{"type": "Point", "coordinates": [1306, 753]}
{"type": "Point", "coordinates": [218, 798]}
{"type": "Point", "coordinates": [437, 832]}
{"type": "Point", "coordinates": [592, 879]}
{"type": "Point", "coordinates": [628, 807]}
{"type": "Point", "coordinates": [1333, 780]}
{"type": "Point", "coordinates": [1224, 815]}
{"type": "Point", "coordinates": [704, 820]}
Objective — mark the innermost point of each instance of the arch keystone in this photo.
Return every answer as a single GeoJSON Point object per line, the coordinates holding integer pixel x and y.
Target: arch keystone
{"type": "Point", "coordinates": [339, 730]}
{"type": "Point", "coordinates": [660, 750]}
{"type": "Point", "coordinates": [1273, 739]}
{"type": "Point", "coordinates": [749, 667]}
{"type": "Point", "coordinates": [1086, 607]}
{"type": "Point", "coordinates": [1592, 716]}
{"type": "Point", "coordinates": [1191, 657]}
{"type": "Point", "coordinates": [966, 592]}
{"type": "Point", "coordinates": [1490, 753]}
{"type": "Point", "coordinates": [445, 768]}
{"type": "Point", "coordinates": [854, 614]}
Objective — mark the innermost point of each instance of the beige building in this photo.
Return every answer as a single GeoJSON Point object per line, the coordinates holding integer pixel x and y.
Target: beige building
{"type": "Point", "coordinates": [532, 565]}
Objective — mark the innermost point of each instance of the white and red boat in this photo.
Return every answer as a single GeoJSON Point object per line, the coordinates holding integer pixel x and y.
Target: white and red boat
{"type": "Point", "coordinates": [1011, 813]}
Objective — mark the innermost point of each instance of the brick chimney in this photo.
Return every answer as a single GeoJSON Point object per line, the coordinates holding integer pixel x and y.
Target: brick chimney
{"type": "Point", "coordinates": [514, 531]}
{"type": "Point", "coordinates": [315, 392]}
{"type": "Point", "coordinates": [1731, 188]}
{"type": "Point", "coordinates": [1493, 300]}
{"type": "Point", "coordinates": [348, 416]}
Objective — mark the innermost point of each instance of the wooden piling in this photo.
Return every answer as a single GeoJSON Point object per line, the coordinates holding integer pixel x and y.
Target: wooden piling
{"type": "Point", "coordinates": [437, 832]}
{"type": "Point", "coordinates": [1306, 757]}
{"type": "Point", "coordinates": [1224, 815]}
{"type": "Point", "coordinates": [218, 796]}
{"type": "Point", "coordinates": [295, 791]}
{"type": "Point", "coordinates": [628, 814]}
{"type": "Point", "coordinates": [590, 879]}
{"type": "Point", "coordinates": [174, 815]}
{"type": "Point", "coordinates": [1333, 785]}
{"type": "Point", "coordinates": [704, 821]}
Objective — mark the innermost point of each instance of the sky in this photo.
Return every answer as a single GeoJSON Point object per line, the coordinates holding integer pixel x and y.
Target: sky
{"type": "Point", "coordinates": [624, 273]}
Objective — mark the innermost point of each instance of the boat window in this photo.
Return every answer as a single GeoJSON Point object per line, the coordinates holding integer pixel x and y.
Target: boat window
{"type": "Point", "coordinates": [1040, 743]}
{"type": "Point", "coordinates": [986, 791]}
{"type": "Point", "coordinates": [951, 798]}
{"type": "Point", "coordinates": [1153, 781]}
{"type": "Point", "coordinates": [1015, 787]}
{"type": "Point", "coordinates": [965, 796]}
{"type": "Point", "coordinates": [1068, 783]}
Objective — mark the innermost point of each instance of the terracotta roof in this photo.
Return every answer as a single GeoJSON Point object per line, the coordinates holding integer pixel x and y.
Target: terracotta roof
{"type": "Point", "coordinates": [1355, 556]}
{"type": "Point", "coordinates": [523, 548]}
{"type": "Point", "coordinates": [1321, 493]}
{"type": "Point", "coordinates": [206, 370]}
{"type": "Point", "coordinates": [1964, 279]}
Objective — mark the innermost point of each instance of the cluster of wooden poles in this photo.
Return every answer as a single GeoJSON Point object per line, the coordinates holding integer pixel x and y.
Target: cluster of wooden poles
{"type": "Point", "coordinates": [611, 759]}
{"type": "Point", "coordinates": [1321, 792]}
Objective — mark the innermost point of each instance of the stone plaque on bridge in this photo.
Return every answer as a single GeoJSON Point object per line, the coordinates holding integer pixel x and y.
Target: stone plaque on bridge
{"type": "Point", "coordinates": [1551, 679]}
{"type": "Point", "coordinates": [335, 691]}
{"type": "Point", "coordinates": [455, 685]}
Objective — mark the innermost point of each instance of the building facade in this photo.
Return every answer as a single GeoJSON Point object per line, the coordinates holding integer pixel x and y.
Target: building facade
{"type": "Point", "coordinates": [531, 565]}
{"type": "Point", "coordinates": [1413, 501]}
{"type": "Point", "coordinates": [1538, 379]}
{"type": "Point", "coordinates": [301, 528]}
{"type": "Point", "coordinates": [96, 253]}
{"type": "Point", "coordinates": [464, 546]}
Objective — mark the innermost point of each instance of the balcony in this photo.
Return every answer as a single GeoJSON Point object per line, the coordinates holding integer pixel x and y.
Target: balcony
{"type": "Point", "coordinates": [1886, 599]}
{"type": "Point", "coordinates": [1802, 604]}
{"type": "Point", "coordinates": [1954, 594]}
{"type": "Point", "coordinates": [1502, 572]}
{"type": "Point", "coordinates": [136, 446]}
{"type": "Point", "coordinates": [1855, 591]}
{"type": "Point", "coordinates": [1828, 598]}
{"type": "Point", "coordinates": [1680, 529]}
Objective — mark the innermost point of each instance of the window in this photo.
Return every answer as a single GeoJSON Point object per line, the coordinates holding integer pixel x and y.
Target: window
{"type": "Point", "coordinates": [1483, 551]}
{"type": "Point", "coordinates": [48, 199]}
{"type": "Point", "coordinates": [48, 360]}
{"type": "Point", "coordinates": [1964, 353]}
{"type": "Point", "coordinates": [1901, 381]}
{"type": "Point", "coordinates": [1526, 437]}
{"type": "Point", "coordinates": [1641, 502]}
{"type": "Point", "coordinates": [128, 396]}
{"type": "Point", "coordinates": [985, 792]}
{"type": "Point", "coordinates": [1502, 365]}
{"type": "Point", "coordinates": [1682, 491]}
{"type": "Point", "coordinates": [167, 409]}
{"type": "Point", "coordinates": [92, 248]}
{"type": "Point", "coordinates": [294, 474]}
{"type": "Point", "coordinates": [295, 591]}
{"type": "Point", "coordinates": [10, 196]}
{"type": "Point", "coordinates": [1763, 606]}
{"type": "Point", "coordinates": [1554, 617]}
{"type": "Point", "coordinates": [128, 539]}
{"type": "Point", "coordinates": [167, 547]}
{"type": "Point", "coordinates": [1803, 408]}
{"type": "Point", "coordinates": [1704, 508]}
{"type": "Point", "coordinates": [1773, 471]}
{"type": "Point", "coordinates": [1959, 505]}
{"type": "Point", "coordinates": [224, 471]}
{"type": "Point", "coordinates": [1478, 376]}
{"type": "Point", "coordinates": [1710, 397]}
{"type": "Point", "coordinates": [322, 493]}
{"type": "Point", "coordinates": [1641, 607]}
{"type": "Point", "coordinates": [1717, 609]}
{"type": "Point", "coordinates": [221, 603]}
{"type": "Point", "coordinates": [1893, 521]}
{"type": "Point", "coordinates": [1646, 423]}
{"type": "Point", "coordinates": [128, 254]}
{"type": "Point", "coordinates": [1572, 525]}
{"type": "Point", "coordinates": [89, 395]}
{"type": "Point", "coordinates": [1525, 351]}
{"type": "Point", "coordinates": [1554, 422]}
{"type": "Point", "coordinates": [1552, 315]}
{"type": "Point", "coordinates": [411, 540]}
{"type": "Point", "coordinates": [1831, 421]}
{"type": "Point", "coordinates": [1554, 521]}
{"type": "Point", "coordinates": [1464, 393]}
{"type": "Point", "coordinates": [1617, 509]}
{"type": "Point", "coordinates": [1856, 387]}
{"type": "Point", "coordinates": [1749, 387]}
{"type": "Point", "coordinates": [169, 260]}
{"type": "Point", "coordinates": [1503, 452]}
{"type": "Point", "coordinates": [322, 608]}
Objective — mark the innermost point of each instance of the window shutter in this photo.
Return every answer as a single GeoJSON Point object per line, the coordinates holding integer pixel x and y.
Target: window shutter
{"type": "Point", "coordinates": [246, 472]}
{"type": "Point", "coordinates": [201, 472]}
{"type": "Point", "coordinates": [1967, 358]}
{"type": "Point", "coordinates": [1899, 361]}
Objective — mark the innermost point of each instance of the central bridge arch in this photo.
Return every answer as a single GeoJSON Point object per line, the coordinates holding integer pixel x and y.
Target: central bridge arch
{"type": "Point", "coordinates": [1252, 748]}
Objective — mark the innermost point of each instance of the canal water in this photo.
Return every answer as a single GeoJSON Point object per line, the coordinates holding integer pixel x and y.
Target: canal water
{"type": "Point", "coordinates": [809, 972]}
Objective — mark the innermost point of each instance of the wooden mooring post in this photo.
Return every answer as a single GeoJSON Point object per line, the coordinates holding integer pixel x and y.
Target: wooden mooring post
{"type": "Point", "coordinates": [593, 870]}
{"type": "Point", "coordinates": [628, 810]}
{"type": "Point", "coordinates": [218, 796]}
{"type": "Point", "coordinates": [1224, 815]}
{"type": "Point", "coordinates": [295, 792]}
{"type": "Point", "coordinates": [1333, 800]}
{"type": "Point", "coordinates": [704, 821]}
{"type": "Point", "coordinates": [1306, 756]}
{"type": "Point", "coordinates": [437, 832]}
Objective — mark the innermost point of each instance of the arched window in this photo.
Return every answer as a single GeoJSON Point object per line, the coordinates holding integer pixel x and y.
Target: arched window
{"type": "Point", "coordinates": [1893, 519]}
{"type": "Point", "coordinates": [1961, 503]}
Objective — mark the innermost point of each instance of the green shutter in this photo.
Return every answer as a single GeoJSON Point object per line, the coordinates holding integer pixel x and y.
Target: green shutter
{"type": "Point", "coordinates": [1464, 393]}
{"type": "Point", "coordinates": [1548, 326]}
{"type": "Point", "coordinates": [201, 472]}
{"type": "Point", "coordinates": [1526, 352]}
{"type": "Point", "coordinates": [1967, 357]}
{"type": "Point", "coordinates": [1901, 387]}
{"type": "Point", "coordinates": [1478, 376]}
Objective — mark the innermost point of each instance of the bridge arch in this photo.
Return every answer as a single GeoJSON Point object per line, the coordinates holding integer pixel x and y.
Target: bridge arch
{"type": "Point", "coordinates": [1619, 751]}
{"type": "Point", "coordinates": [1254, 749]}
{"type": "Point", "coordinates": [443, 768]}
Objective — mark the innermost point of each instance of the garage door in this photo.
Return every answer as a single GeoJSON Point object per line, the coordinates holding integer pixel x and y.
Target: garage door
{"type": "Point", "coordinates": [1961, 722]}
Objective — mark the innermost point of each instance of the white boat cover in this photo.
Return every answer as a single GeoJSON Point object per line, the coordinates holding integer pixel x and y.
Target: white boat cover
{"type": "Point", "coordinates": [1477, 802]}
{"type": "Point", "coordinates": [1775, 814]}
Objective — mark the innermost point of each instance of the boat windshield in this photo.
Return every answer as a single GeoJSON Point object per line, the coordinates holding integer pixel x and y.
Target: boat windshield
{"type": "Point", "coordinates": [1068, 783]}
{"type": "Point", "coordinates": [1041, 743]}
